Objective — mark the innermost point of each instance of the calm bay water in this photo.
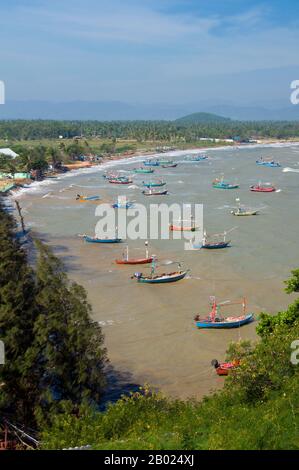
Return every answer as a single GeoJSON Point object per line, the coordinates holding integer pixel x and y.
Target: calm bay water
{"type": "Point", "coordinates": [149, 329]}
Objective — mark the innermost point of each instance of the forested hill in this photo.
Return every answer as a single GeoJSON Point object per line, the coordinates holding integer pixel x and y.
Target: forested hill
{"type": "Point", "coordinates": [197, 118]}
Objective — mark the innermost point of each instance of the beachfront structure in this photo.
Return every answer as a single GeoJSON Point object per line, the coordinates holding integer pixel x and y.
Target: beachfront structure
{"type": "Point", "coordinates": [9, 153]}
{"type": "Point", "coordinates": [15, 176]}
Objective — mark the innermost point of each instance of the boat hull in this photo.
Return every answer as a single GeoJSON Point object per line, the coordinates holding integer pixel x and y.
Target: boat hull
{"type": "Point", "coordinates": [162, 279]}
{"type": "Point", "coordinates": [157, 193]}
{"type": "Point", "coordinates": [268, 164]}
{"type": "Point", "coordinates": [259, 189]}
{"type": "Point", "coordinates": [244, 214]}
{"type": "Point", "coordinates": [102, 240]}
{"type": "Point", "coordinates": [153, 185]}
{"type": "Point", "coordinates": [215, 246]}
{"type": "Point", "coordinates": [225, 324]}
{"type": "Point", "coordinates": [134, 261]}
{"type": "Point", "coordinates": [141, 170]}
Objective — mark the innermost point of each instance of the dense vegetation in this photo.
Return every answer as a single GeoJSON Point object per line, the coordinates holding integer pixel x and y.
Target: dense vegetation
{"type": "Point", "coordinates": [54, 353]}
{"type": "Point", "coordinates": [159, 131]}
{"type": "Point", "coordinates": [257, 409]}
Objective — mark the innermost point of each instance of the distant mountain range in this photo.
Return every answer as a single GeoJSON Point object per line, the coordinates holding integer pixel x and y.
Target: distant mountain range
{"type": "Point", "coordinates": [196, 118]}
{"type": "Point", "coordinates": [117, 110]}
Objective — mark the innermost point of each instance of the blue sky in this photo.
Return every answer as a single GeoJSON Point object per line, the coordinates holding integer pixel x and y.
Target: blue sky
{"type": "Point", "coordinates": [149, 50]}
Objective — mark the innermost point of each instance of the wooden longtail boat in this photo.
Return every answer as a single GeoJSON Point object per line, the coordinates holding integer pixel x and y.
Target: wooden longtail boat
{"type": "Point", "coordinates": [243, 211]}
{"type": "Point", "coordinates": [153, 184]}
{"type": "Point", "coordinates": [101, 240]}
{"type": "Point", "coordinates": [223, 368]}
{"type": "Point", "coordinates": [151, 163]}
{"type": "Point", "coordinates": [87, 198]}
{"type": "Point", "coordinates": [120, 180]}
{"type": "Point", "coordinates": [120, 205]}
{"type": "Point", "coordinates": [197, 158]}
{"type": "Point", "coordinates": [161, 278]}
{"type": "Point", "coordinates": [143, 170]}
{"type": "Point", "coordinates": [215, 320]}
{"type": "Point", "coordinates": [152, 192]}
{"type": "Point", "coordinates": [221, 184]}
{"type": "Point", "coordinates": [170, 165]}
{"type": "Point", "coordinates": [181, 228]}
{"type": "Point", "coordinates": [154, 278]}
{"type": "Point", "coordinates": [126, 260]}
{"type": "Point", "coordinates": [212, 242]}
{"type": "Point", "coordinates": [259, 188]}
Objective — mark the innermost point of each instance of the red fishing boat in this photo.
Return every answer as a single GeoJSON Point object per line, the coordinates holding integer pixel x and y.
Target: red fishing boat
{"type": "Point", "coordinates": [259, 188]}
{"type": "Point", "coordinates": [126, 260]}
{"type": "Point", "coordinates": [223, 368]}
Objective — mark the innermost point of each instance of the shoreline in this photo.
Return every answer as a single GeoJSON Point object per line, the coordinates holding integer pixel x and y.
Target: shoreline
{"type": "Point", "coordinates": [127, 159]}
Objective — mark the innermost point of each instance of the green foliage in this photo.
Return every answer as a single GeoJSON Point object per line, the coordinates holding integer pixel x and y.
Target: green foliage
{"type": "Point", "coordinates": [293, 282]}
{"type": "Point", "coordinates": [170, 131]}
{"type": "Point", "coordinates": [54, 352]}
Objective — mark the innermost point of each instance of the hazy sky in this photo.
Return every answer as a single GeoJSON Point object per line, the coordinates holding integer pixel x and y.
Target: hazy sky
{"type": "Point", "coordinates": [149, 50]}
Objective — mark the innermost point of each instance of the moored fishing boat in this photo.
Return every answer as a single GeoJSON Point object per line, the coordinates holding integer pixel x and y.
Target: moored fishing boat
{"type": "Point", "coordinates": [87, 198]}
{"type": "Point", "coordinates": [166, 162]}
{"type": "Point", "coordinates": [122, 205]}
{"type": "Point", "coordinates": [154, 184]}
{"type": "Point", "coordinates": [259, 188]}
{"type": "Point", "coordinates": [169, 165]}
{"type": "Point", "coordinates": [143, 170]}
{"type": "Point", "coordinates": [215, 319]}
{"type": "Point", "coordinates": [131, 261]}
{"type": "Point", "coordinates": [101, 240]}
{"type": "Point", "coordinates": [212, 242]}
{"type": "Point", "coordinates": [269, 162]}
{"type": "Point", "coordinates": [153, 192]}
{"type": "Point", "coordinates": [191, 227]}
{"type": "Point", "coordinates": [224, 368]}
{"type": "Point", "coordinates": [154, 278]}
{"type": "Point", "coordinates": [242, 211]}
{"type": "Point", "coordinates": [151, 162]}
{"type": "Point", "coordinates": [221, 184]}
{"type": "Point", "coordinates": [196, 158]}
{"type": "Point", "coordinates": [120, 180]}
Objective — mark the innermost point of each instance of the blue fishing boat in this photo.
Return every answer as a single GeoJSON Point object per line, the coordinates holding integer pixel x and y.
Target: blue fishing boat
{"type": "Point", "coordinates": [101, 240]}
{"type": "Point", "coordinates": [151, 163]}
{"type": "Point", "coordinates": [120, 205]}
{"type": "Point", "coordinates": [197, 158]}
{"type": "Point", "coordinates": [153, 184]}
{"type": "Point", "coordinates": [215, 319]}
{"type": "Point", "coordinates": [212, 242]}
{"type": "Point", "coordinates": [221, 184]}
{"type": "Point", "coordinates": [269, 163]}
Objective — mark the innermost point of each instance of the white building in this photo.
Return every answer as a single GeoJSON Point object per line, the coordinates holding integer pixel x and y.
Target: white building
{"type": "Point", "coordinates": [8, 153]}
